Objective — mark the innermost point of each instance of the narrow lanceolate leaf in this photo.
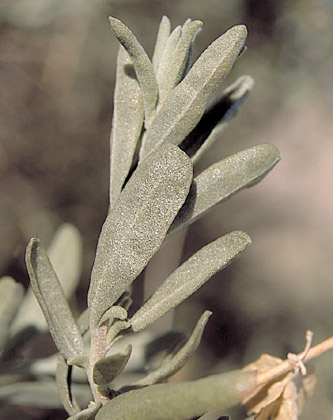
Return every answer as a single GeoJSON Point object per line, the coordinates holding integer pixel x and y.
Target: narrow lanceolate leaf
{"type": "Point", "coordinates": [143, 67]}
{"type": "Point", "coordinates": [173, 70]}
{"type": "Point", "coordinates": [11, 294]}
{"type": "Point", "coordinates": [105, 370]}
{"type": "Point", "coordinates": [127, 123]}
{"type": "Point", "coordinates": [167, 57]}
{"type": "Point", "coordinates": [137, 225]}
{"type": "Point", "coordinates": [179, 401]}
{"type": "Point", "coordinates": [52, 301]}
{"type": "Point", "coordinates": [161, 40]}
{"type": "Point", "coordinates": [65, 253]}
{"type": "Point", "coordinates": [172, 364]}
{"type": "Point", "coordinates": [217, 118]}
{"type": "Point", "coordinates": [191, 275]}
{"type": "Point", "coordinates": [185, 105]}
{"type": "Point", "coordinates": [223, 179]}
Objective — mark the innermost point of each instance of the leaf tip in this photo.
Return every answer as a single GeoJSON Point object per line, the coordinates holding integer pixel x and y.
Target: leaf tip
{"type": "Point", "coordinates": [240, 30]}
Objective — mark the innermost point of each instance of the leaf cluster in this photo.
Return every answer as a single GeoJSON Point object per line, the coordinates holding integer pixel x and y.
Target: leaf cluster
{"type": "Point", "coordinates": [163, 121]}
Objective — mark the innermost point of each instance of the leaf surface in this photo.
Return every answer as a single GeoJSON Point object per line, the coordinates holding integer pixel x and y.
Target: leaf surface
{"type": "Point", "coordinates": [216, 118]}
{"type": "Point", "coordinates": [136, 227]}
{"type": "Point", "coordinates": [53, 303]}
{"type": "Point", "coordinates": [107, 369]}
{"type": "Point", "coordinates": [143, 67]}
{"type": "Point", "coordinates": [65, 253]}
{"type": "Point", "coordinates": [223, 179]}
{"type": "Point", "coordinates": [191, 275]}
{"type": "Point", "coordinates": [161, 40]}
{"type": "Point", "coordinates": [127, 123]}
{"type": "Point", "coordinates": [185, 105]}
{"type": "Point", "coordinates": [179, 401]}
{"type": "Point", "coordinates": [174, 62]}
{"type": "Point", "coordinates": [172, 364]}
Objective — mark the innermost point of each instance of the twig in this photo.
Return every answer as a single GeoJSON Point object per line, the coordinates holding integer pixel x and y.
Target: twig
{"type": "Point", "coordinates": [286, 366]}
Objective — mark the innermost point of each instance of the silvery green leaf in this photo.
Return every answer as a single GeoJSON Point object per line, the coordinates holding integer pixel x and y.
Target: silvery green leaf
{"type": "Point", "coordinates": [191, 275]}
{"type": "Point", "coordinates": [11, 295]}
{"type": "Point", "coordinates": [172, 71]}
{"type": "Point", "coordinates": [217, 118]}
{"type": "Point", "coordinates": [115, 312]}
{"type": "Point", "coordinates": [161, 40]}
{"type": "Point", "coordinates": [167, 57]}
{"type": "Point", "coordinates": [63, 378]}
{"type": "Point", "coordinates": [53, 303]}
{"type": "Point", "coordinates": [223, 179]}
{"type": "Point", "coordinates": [143, 67]}
{"type": "Point", "coordinates": [171, 365]}
{"type": "Point", "coordinates": [105, 370]}
{"type": "Point", "coordinates": [127, 123]}
{"type": "Point", "coordinates": [136, 227]}
{"type": "Point", "coordinates": [185, 105]}
{"type": "Point", "coordinates": [179, 401]}
{"type": "Point", "coordinates": [65, 253]}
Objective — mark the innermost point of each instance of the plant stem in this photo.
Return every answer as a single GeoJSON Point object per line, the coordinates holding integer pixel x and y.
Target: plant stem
{"type": "Point", "coordinates": [285, 366]}
{"type": "Point", "coordinates": [97, 352]}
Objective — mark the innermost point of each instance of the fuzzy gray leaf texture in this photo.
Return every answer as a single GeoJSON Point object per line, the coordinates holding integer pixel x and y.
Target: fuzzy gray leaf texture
{"type": "Point", "coordinates": [136, 227]}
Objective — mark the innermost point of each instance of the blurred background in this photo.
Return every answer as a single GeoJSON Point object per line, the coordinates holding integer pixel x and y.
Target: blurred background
{"type": "Point", "coordinates": [57, 69]}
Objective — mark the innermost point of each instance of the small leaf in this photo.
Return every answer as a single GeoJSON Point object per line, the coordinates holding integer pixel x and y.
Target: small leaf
{"type": "Point", "coordinates": [166, 59]}
{"type": "Point", "coordinates": [52, 301]}
{"type": "Point", "coordinates": [179, 401]}
{"type": "Point", "coordinates": [191, 275]}
{"type": "Point", "coordinates": [11, 295]}
{"type": "Point", "coordinates": [223, 179]}
{"type": "Point", "coordinates": [115, 312]}
{"type": "Point", "coordinates": [65, 253]}
{"type": "Point", "coordinates": [105, 370]}
{"type": "Point", "coordinates": [185, 105]}
{"type": "Point", "coordinates": [63, 378]}
{"type": "Point", "coordinates": [172, 71]}
{"type": "Point", "coordinates": [161, 40]}
{"type": "Point", "coordinates": [217, 118]}
{"type": "Point", "coordinates": [143, 67]}
{"type": "Point", "coordinates": [171, 365]}
{"type": "Point", "coordinates": [137, 225]}
{"type": "Point", "coordinates": [127, 123]}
